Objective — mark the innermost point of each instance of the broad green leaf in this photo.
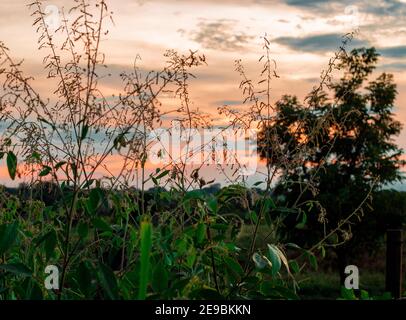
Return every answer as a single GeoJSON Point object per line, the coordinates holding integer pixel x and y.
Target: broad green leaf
{"type": "Point", "coordinates": [59, 165]}
{"type": "Point", "coordinates": [108, 281]}
{"type": "Point", "coordinates": [274, 257]}
{"type": "Point", "coordinates": [162, 174]}
{"type": "Point", "coordinates": [83, 230]}
{"type": "Point", "coordinates": [8, 236]}
{"type": "Point", "coordinates": [11, 164]}
{"type": "Point", "coordinates": [85, 130]}
{"type": "Point", "coordinates": [146, 244]}
{"type": "Point", "coordinates": [348, 294]}
{"type": "Point", "coordinates": [269, 204]}
{"type": "Point", "coordinates": [50, 244]}
{"type": "Point", "coordinates": [365, 295]}
{"type": "Point", "coordinates": [191, 256]}
{"type": "Point", "coordinates": [31, 290]}
{"type": "Point", "coordinates": [159, 278]}
{"type": "Point", "coordinates": [302, 224]}
{"type": "Point", "coordinates": [100, 224]}
{"type": "Point", "coordinates": [45, 171]}
{"type": "Point", "coordinates": [200, 233]}
{"type": "Point", "coordinates": [294, 266]}
{"type": "Point", "coordinates": [194, 194]}
{"type": "Point", "coordinates": [84, 278]}
{"type": "Point", "coordinates": [233, 265]}
{"type": "Point", "coordinates": [259, 261]}
{"type": "Point", "coordinates": [312, 260]}
{"type": "Point", "coordinates": [212, 204]}
{"type": "Point", "coordinates": [93, 202]}
{"type": "Point", "coordinates": [16, 268]}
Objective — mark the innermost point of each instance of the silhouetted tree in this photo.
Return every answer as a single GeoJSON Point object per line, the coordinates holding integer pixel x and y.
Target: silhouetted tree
{"type": "Point", "coordinates": [356, 154]}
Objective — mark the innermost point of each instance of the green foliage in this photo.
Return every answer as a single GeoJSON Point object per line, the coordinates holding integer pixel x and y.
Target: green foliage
{"type": "Point", "coordinates": [122, 255]}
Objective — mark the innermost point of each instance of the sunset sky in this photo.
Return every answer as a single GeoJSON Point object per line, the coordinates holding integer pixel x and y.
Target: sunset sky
{"type": "Point", "coordinates": [303, 34]}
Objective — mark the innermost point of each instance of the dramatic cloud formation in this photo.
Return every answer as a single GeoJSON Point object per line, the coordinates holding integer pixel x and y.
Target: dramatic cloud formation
{"type": "Point", "coordinates": [394, 52]}
{"type": "Point", "coordinates": [220, 35]}
{"type": "Point", "coordinates": [318, 43]}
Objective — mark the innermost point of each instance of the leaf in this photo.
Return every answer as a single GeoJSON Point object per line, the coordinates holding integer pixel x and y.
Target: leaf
{"type": "Point", "coordinates": [233, 265]}
{"type": "Point", "coordinates": [312, 260]}
{"type": "Point", "coordinates": [212, 204]}
{"type": "Point", "coordinates": [293, 246]}
{"type": "Point", "coordinates": [365, 295]}
{"type": "Point", "coordinates": [83, 230]}
{"type": "Point", "coordinates": [45, 171]}
{"type": "Point", "coordinates": [323, 252]}
{"type": "Point", "coordinates": [254, 217]}
{"type": "Point", "coordinates": [84, 278]}
{"type": "Point", "coordinates": [269, 204]}
{"type": "Point", "coordinates": [348, 294]}
{"type": "Point", "coordinates": [194, 194]}
{"type": "Point", "coordinates": [36, 156]}
{"type": "Point", "coordinates": [160, 278]}
{"type": "Point", "coordinates": [8, 236]}
{"type": "Point", "coordinates": [259, 261]}
{"type": "Point", "coordinates": [181, 245]}
{"type": "Point", "coordinates": [99, 223]}
{"type": "Point", "coordinates": [162, 174]}
{"type": "Point", "coordinates": [200, 233]}
{"type": "Point", "coordinates": [274, 257]}
{"type": "Point", "coordinates": [294, 266]}
{"type": "Point", "coordinates": [146, 244]}
{"type": "Point", "coordinates": [50, 244]}
{"type": "Point", "coordinates": [11, 164]}
{"type": "Point", "coordinates": [16, 268]}
{"type": "Point", "coordinates": [108, 281]}
{"type": "Point", "coordinates": [47, 122]}
{"type": "Point", "coordinates": [88, 183]}
{"type": "Point", "coordinates": [302, 224]}
{"type": "Point", "coordinates": [59, 165]}
{"type": "Point", "coordinates": [94, 200]}
{"type": "Point", "coordinates": [191, 256]}
{"type": "Point", "coordinates": [31, 290]}
{"type": "Point", "coordinates": [85, 130]}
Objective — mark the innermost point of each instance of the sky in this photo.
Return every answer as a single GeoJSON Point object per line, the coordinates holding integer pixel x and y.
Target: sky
{"type": "Point", "coordinates": [304, 34]}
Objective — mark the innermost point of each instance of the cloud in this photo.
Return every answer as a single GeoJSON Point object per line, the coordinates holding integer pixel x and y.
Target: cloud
{"type": "Point", "coordinates": [317, 43]}
{"type": "Point", "coordinates": [386, 8]}
{"type": "Point", "coordinates": [396, 66]}
{"type": "Point", "coordinates": [220, 35]}
{"type": "Point", "coordinates": [228, 103]}
{"type": "Point", "coordinates": [376, 7]}
{"type": "Point", "coordinates": [394, 52]}
{"type": "Point", "coordinates": [307, 3]}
